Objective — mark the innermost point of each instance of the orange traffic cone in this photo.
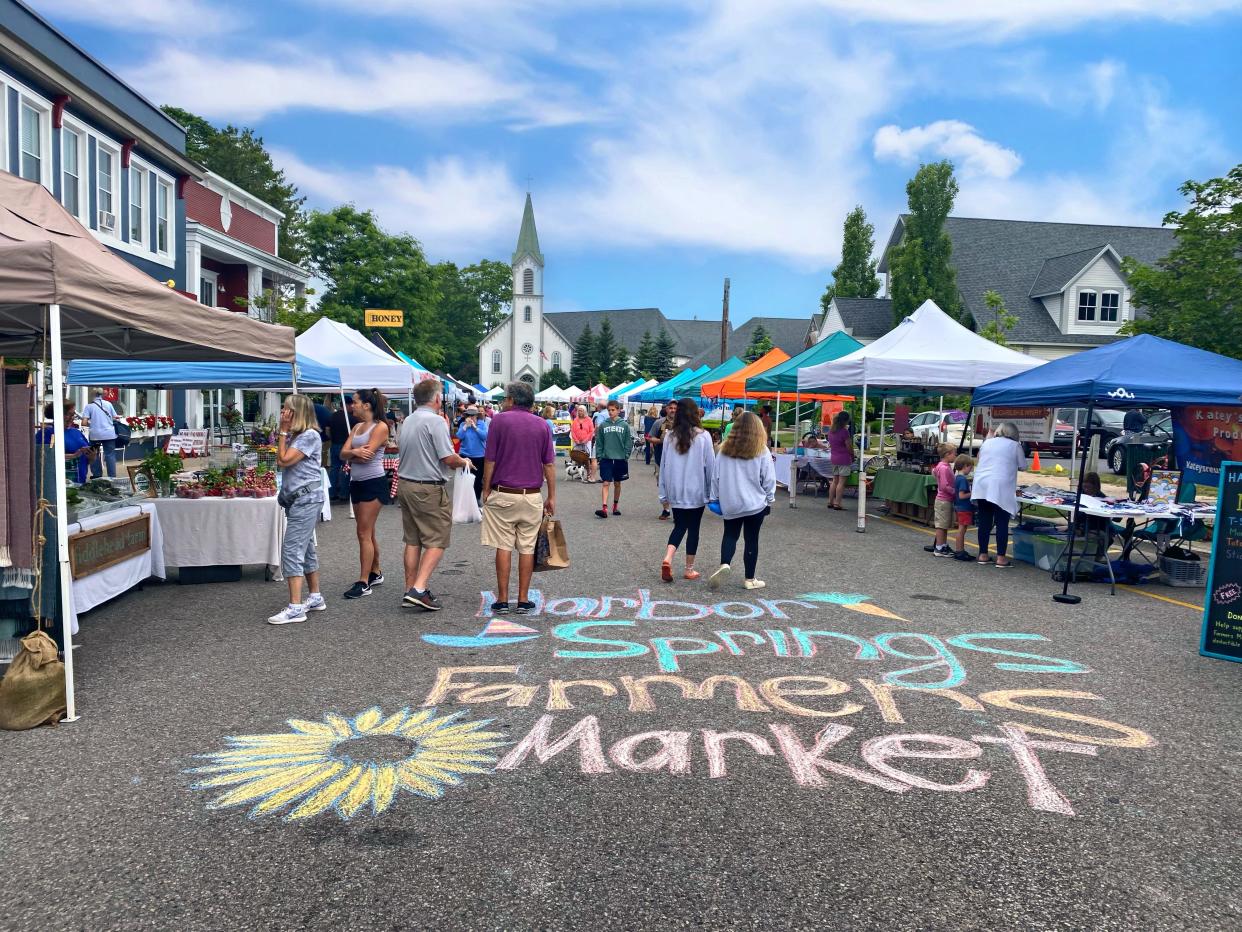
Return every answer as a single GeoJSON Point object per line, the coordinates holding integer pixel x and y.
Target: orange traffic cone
{"type": "Point", "coordinates": [1035, 467]}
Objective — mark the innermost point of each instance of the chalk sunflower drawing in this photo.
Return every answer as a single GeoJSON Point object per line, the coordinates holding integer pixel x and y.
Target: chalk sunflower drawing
{"type": "Point", "coordinates": [348, 764]}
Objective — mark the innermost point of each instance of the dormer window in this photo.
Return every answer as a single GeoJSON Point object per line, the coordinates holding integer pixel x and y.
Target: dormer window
{"type": "Point", "coordinates": [528, 285]}
{"type": "Point", "coordinates": [1086, 305]}
{"type": "Point", "coordinates": [1110, 306]}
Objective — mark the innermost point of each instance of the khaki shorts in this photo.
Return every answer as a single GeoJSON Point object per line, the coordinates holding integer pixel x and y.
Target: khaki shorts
{"type": "Point", "coordinates": [511, 521]}
{"type": "Point", "coordinates": [426, 514]}
{"type": "Point", "coordinates": [944, 515]}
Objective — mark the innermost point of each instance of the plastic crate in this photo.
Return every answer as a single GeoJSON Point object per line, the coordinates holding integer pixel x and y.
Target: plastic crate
{"type": "Point", "coordinates": [1049, 554]}
{"type": "Point", "coordinates": [1187, 574]}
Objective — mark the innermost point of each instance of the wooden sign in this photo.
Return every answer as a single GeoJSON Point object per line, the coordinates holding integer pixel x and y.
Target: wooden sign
{"type": "Point", "coordinates": [385, 318]}
{"type": "Point", "coordinates": [102, 547]}
{"type": "Point", "coordinates": [1222, 606]}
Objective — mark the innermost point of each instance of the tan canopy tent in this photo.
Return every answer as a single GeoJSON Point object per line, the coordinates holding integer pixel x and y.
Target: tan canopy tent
{"type": "Point", "coordinates": [65, 295]}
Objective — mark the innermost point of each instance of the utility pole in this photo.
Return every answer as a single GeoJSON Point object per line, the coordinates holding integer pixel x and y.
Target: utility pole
{"type": "Point", "coordinates": [724, 324]}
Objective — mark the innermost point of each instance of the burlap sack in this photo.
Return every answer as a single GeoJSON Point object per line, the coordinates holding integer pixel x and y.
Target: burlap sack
{"type": "Point", "coordinates": [33, 691]}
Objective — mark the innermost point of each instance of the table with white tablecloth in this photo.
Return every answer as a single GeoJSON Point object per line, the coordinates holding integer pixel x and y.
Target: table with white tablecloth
{"type": "Point", "coordinates": [99, 587]}
{"type": "Point", "coordinates": [221, 531]}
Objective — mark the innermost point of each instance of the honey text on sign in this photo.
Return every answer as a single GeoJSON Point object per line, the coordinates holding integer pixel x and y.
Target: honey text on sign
{"type": "Point", "coordinates": [385, 318]}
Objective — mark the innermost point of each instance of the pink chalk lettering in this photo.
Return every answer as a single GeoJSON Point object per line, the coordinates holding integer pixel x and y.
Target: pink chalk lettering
{"type": "Point", "coordinates": [585, 734]}
{"type": "Point", "coordinates": [673, 755]}
{"type": "Point", "coordinates": [1040, 792]}
{"type": "Point", "coordinates": [714, 746]}
{"type": "Point", "coordinates": [879, 751]}
{"type": "Point", "coordinates": [806, 764]}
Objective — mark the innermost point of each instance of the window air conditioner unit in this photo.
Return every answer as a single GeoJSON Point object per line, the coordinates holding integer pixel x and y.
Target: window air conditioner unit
{"type": "Point", "coordinates": [107, 222]}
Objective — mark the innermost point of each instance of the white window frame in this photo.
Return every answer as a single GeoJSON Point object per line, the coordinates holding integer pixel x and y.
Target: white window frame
{"type": "Point", "coordinates": [137, 200]}
{"type": "Point", "coordinates": [556, 359]}
{"type": "Point", "coordinates": [44, 111]}
{"type": "Point", "coordinates": [165, 188]}
{"type": "Point", "coordinates": [114, 179]}
{"type": "Point", "coordinates": [526, 314]}
{"type": "Point", "coordinates": [1095, 306]}
{"type": "Point", "coordinates": [497, 361]}
{"type": "Point", "coordinates": [1116, 318]}
{"type": "Point", "coordinates": [214, 278]}
{"type": "Point", "coordinates": [69, 128]}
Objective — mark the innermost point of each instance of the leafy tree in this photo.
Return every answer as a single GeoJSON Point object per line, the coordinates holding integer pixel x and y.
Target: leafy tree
{"type": "Point", "coordinates": [760, 343]}
{"type": "Point", "coordinates": [662, 361]}
{"type": "Point", "coordinates": [1002, 320]}
{"type": "Point", "coordinates": [584, 366]}
{"type": "Point", "coordinates": [854, 276]}
{"type": "Point", "coordinates": [554, 376]}
{"type": "Point", "coordinates": [622, 366]}
{"type": "Point", "coordinates": [491, 282]}
{"type": "Point", "coordinates": [364, 267]}
{"type": "Point", "coordinates": [919, 264]}
{"type": "Point", "coordinates": [1194, 294]}
{"type": "Point", "coordinates": [644, 361]}
{"type": "Point", "coordinates": [462, 321]}
{"type": "Point", "coordinates": [238, 155]}
{"type": "Point", "coordinates": [606, 348]}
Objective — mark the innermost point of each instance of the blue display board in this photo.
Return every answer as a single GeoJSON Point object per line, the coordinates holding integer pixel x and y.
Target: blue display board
{"type": "Point", "coordinates": [1222, 604]}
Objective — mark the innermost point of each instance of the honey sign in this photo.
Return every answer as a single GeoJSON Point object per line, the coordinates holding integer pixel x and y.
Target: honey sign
{"type": "Point", "coordinates": [385, 318]}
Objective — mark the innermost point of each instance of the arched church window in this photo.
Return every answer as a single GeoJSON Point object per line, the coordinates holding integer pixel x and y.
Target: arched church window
{"type": "Point", "coordinates": [528, 378]}
{"type": "Point", "coordinates": [526, 314]}
{"type": "Point", "coordinates": [528, 283]}
{"type": "Point", "coordinates": [556, 360]}
{"type": "Point", "coordinates": [496, 361]}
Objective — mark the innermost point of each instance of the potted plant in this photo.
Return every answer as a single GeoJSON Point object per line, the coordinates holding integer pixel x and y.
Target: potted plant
{"type": "Point", "coordinates": [160, 467]}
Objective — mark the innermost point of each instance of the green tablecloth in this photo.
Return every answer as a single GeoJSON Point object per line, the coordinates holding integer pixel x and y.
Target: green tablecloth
{"type": "Point", "coordinates": [898, 486]}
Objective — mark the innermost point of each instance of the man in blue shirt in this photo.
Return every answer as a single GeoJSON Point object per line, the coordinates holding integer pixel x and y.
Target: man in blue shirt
{"type": "Point", "coordinates": [472, 432]}
{"type": "Point", "coordinates": [77, 448]}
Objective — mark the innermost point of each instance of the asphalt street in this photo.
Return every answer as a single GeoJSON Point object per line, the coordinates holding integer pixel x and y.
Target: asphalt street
{"type": "Point", "coordinates": [892, 741]}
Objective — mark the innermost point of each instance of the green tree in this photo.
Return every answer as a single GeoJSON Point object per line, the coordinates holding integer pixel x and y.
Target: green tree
{"type": "Point", "coordinates": [606, 347]}
{"type": "Point", "coordinates": [492, 285]}
{"type": "Point", "coordinates": [461, 319]}
{"type": "Point", "coordinates": [622, 366]}
{"type": "Point", "coordinates": [644, 361]}
{"type": "Point", "coordinates": [364, 267]}
{"type": "Point", "coordinates": [1002, 320]}
{"type": "Point", "coordinates": [554, 376]}
{"type": "Point", "coordinates": [238, 155]}
{"type": "Point", "coordinates": [760, 343]}
{"type": "Point", "coordinates": [854, 276]}
{"type": "Point", "coordinates": [583, 367]}
{"type": "Point", "coordinates": [662, 360]}
{"type": "Point", "coordinates": [1194, 294]}
{"type": "Point", "coordinates": [919, 264]}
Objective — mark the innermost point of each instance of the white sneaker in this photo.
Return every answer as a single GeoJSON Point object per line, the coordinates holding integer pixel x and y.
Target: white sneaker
{"type": "Point", "coordinates": [291, 615]}
{"type": "Point", "coordinates": [315, 603]}
{"type": "Point", "coordinates": [719, 577]}
{"type": "Point", "coordinates": [753, 584]}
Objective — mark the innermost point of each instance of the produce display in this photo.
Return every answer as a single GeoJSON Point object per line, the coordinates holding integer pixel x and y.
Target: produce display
{"type": "Point", "coordinates": [230, 482]}
{"type": "Point", "coordinates": [96, 497]}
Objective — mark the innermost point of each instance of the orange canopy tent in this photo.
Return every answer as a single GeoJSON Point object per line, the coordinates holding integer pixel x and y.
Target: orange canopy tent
{"type": "Point", "coordinates": [734, 386]}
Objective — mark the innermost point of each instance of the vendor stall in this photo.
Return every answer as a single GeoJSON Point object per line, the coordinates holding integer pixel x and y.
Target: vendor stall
{"type": "Point", "coordinates": [110, 553]}
{"type": "Point", "coordinates": [220, 532]}
{"type": "Point", "coordinates": [63, 294]}
{"type": "Point", "coordinates": [360, 362]}
{"type": "Point", "coordinates": [927, 353]}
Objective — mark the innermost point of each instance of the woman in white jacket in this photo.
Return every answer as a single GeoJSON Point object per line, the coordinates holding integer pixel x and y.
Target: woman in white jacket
{"type": "Point", "coordinates": [685, 483]}
{"type": "Point", "coordinates": [744, 483]}
{"type": "Point", "coordinates": [994, 491]}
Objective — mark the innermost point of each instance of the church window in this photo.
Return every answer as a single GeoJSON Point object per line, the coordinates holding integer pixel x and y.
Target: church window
{"type": "Point", "coordinates": [556, 360]}
{"type": "Point", "coordinates": [526, 314]}
{"type": "Point", "coordinates": [496, 361]}
{"type": "Point", "coordinates": [528, 282]}
{"type": "Point", "coordinates": [528, 378]}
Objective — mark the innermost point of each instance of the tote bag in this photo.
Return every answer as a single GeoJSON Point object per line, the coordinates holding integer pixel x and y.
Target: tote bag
{"type": "Point", "coordinates": [465, 508]}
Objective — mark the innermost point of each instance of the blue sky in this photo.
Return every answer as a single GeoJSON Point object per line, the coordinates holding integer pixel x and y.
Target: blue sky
{"type": "Point", "coordinates": [670, 144]}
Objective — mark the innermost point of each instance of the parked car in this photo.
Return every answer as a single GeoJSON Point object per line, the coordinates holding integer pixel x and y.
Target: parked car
{"type": "Point", "coordinates": [1158, 431]}
{"type": "Point", "coordinates": [934, 425]}
{"type": "Point", "coordinates": [1106, 423]}
{"type": "Point", "coordinates": [1061, 444]}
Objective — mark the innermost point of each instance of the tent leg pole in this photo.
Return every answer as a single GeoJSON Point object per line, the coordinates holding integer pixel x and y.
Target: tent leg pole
{"type": "Point", "coordinates": [862, 475]}
{"type": "Point", "coordinates": [345, 409]}
{"type": "Point", "coordinates": [62, 512]}
{"type": "Point", "coordinates": [776, 427]}
{"type": "Point", "coordinates": [793, 466]}
{"type": "Point", "coordinates": [1064, 596]}
{"type": "Point", "coordinates": [961, 445]}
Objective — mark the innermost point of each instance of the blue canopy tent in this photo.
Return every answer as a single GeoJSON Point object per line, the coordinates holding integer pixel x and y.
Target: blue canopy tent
{"type": "Point", "coordinates": [305, 373]}
{"type": "Point", "coordinates": [481, 389]}
{"type": "Point", "coordinates": [616, 393]}
{"type": "Point", "coordinates": [783, 377]}
{"type": "Point", "coordinates": [1138, 372]}
{"type": "Point", "coordinates": [693, 388]}
{"type": "Point", "coordinates": [666, 391]}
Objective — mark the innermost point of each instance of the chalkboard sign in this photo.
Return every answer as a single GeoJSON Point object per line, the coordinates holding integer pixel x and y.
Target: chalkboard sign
{"type": "Point", "coordinates": [1222, 608]}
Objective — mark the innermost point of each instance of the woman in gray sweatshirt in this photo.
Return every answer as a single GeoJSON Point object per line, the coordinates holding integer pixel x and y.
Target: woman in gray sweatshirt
{"type": "Point", "coordinates": [744, 483]}
{"type": "Point", "coordinates": [684, 483]}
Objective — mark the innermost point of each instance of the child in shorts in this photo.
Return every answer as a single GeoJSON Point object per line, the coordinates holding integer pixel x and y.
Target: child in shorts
{"type": "Point", "coordinates": [943, 508]}
{"type": "Point", "coordinates": [963, 510]}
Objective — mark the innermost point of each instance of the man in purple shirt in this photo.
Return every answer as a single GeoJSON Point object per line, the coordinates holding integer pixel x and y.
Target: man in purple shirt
{"type": "Point", "coordinates": [518, 460]}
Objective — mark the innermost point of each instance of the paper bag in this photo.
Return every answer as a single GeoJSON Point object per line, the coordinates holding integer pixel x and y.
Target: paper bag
{"type": "Point", "coordinates": [465, 508]}
{"type": "Point", "coordinates": [551, 552]}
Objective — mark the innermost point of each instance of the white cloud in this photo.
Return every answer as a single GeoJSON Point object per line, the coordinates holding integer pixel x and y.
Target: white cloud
{"type": "Point", "coordinates": [169, 17]}
{"type": "Point", "coordinates": [358, 81]}
{"type": "Point", "coordinates": [951, 139]}
{"type": "Point", "coordinates": [457, 209]}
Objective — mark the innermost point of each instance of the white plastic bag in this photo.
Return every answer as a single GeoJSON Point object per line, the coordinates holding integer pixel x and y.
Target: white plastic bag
{"type": "Point", "coordinates": [465, 508]}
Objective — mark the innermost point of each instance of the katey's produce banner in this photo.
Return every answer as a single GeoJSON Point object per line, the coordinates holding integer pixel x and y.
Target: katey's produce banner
{"type": "Point", "coordinates": [1204, 436]}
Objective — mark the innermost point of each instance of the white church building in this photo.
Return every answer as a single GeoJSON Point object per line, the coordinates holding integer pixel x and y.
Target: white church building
{"type": "Point", "coordinates": [527, 344]}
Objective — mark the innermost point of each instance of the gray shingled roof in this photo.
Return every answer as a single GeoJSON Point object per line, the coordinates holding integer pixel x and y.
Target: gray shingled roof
{"type": "Point", "coordinates": [789, 333]}
{"type": "Point", "coordinates": [866, 318]}
{"type": "Point", "coordinates": [1007, 256]}
{"type": "Point", "coordinates": [628, 324]}
{"type": "Point", "coordinates": [1056, 273]}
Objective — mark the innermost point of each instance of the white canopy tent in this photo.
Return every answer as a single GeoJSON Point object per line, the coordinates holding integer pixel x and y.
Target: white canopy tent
{"type": "Point", "coordinates": [627, 395]}
{"type": "Point", "coordinates": [927, 353]}
{"type": "Point", "coordinates": [552, 393]}
{"type": "Point", "coordinates": [362, 364]}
